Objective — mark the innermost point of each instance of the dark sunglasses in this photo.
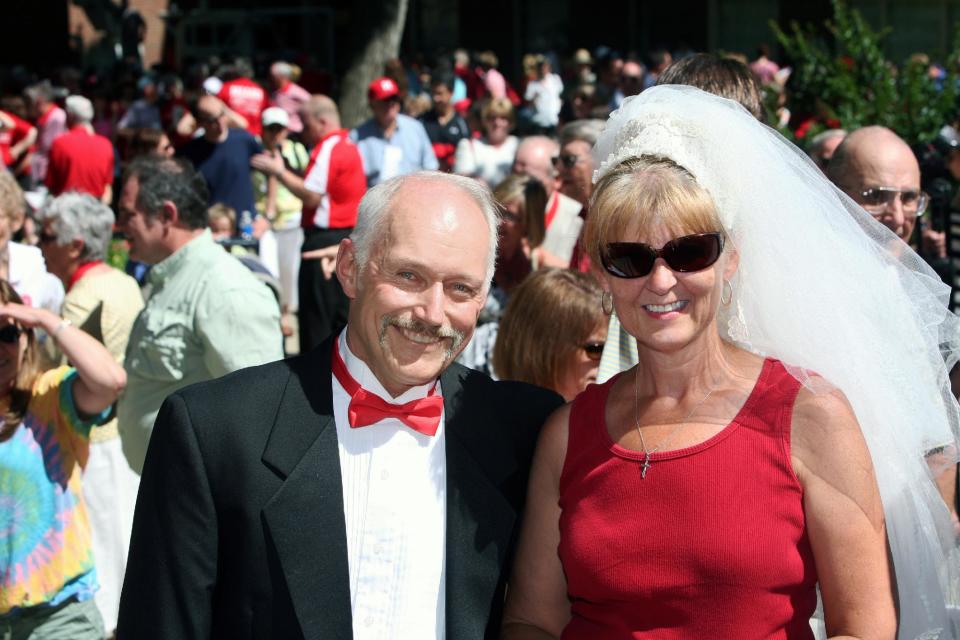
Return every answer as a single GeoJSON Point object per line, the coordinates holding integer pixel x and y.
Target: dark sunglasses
{"type": "Point", "coordinates": [568, 160]}
{"type": "Point", "coordinates": [684, 254]}
{"type": "Point", "coordinates": [593, 349]}
{"type": "Point", "coordinates": [10, 333]}
{"type": "Point", "coordinates": [208, 118]}
{"type": "Point", "coordinates": [44, 238]}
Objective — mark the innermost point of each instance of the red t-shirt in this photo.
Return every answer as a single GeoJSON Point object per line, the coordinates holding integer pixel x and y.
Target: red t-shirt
{"type": "Point", "coordinates": [10, 137]}
{"type": "Point", "coordinates": [336, 171]}
{"type": "Point", "coordinates": [248, 99]}
{"type": "Point", "coordinates": [80, 161]}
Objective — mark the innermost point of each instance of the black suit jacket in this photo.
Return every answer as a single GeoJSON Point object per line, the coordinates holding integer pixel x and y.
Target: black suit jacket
{"type": "Point", "coordinates": [239, 529]}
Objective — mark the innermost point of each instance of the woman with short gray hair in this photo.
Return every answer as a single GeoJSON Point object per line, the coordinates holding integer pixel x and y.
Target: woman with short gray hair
{"type": "Point", "coordinates": [103, 301]}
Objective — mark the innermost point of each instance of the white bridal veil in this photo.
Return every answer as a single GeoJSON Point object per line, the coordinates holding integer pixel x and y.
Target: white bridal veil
{"type": "Point", "coordinates": [824, 287]}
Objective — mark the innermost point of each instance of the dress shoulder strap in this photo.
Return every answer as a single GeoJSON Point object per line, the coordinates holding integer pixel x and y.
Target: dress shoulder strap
{"type": "Point", "coordinates": [584, 439]}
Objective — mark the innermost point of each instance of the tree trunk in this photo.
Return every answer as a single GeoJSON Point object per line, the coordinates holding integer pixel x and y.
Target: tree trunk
{"type": "Point", "coordinates": [380, 30]}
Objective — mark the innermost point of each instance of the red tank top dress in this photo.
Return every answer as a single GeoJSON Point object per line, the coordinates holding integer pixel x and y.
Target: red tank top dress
{"type": "Point", "coordinates": [711, 544]}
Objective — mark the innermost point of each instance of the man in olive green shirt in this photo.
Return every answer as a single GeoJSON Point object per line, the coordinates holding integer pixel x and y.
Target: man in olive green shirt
{"type": "Point", "coordinates": [206, 316]}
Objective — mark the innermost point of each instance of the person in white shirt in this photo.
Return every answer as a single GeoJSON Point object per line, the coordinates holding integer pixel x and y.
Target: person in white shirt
{"type": "Point", "coordinates": [543, 93]}
{"type": "Point", "coordinates": [489, 158]}
{"type": "Point", "coordinates": [370, 488]}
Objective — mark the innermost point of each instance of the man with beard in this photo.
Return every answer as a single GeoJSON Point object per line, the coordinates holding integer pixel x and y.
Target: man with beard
{"type": "Point", "coordinates": [367, 489]}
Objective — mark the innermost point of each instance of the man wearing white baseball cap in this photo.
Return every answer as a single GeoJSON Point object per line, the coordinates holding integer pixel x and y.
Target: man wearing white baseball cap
{"type": "Point", "coordinates": [391, 143]}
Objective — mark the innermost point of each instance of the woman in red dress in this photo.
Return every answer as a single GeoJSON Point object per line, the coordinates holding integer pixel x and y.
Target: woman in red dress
{"type": "Point", "coordinates": [711, 489]}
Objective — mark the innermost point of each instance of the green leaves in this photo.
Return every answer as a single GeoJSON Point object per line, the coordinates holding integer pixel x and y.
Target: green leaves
{"type": "Point", "coordinates": [842, 76]}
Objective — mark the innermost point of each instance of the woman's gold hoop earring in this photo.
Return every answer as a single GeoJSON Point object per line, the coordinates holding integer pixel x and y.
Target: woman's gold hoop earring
{"type": "Point", "coordinates": [606, 303]}
{"type": "Point", "coordinates": [725, 301]}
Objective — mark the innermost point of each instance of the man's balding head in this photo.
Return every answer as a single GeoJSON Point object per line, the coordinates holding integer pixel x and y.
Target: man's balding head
{"type": "Point", "coordinates": [873, 158]}
{"type": "Point", "coordinates": [212, 116]}
{"type": "Point", "coordinates": [535, 158]}
{"type": "Point", "coordinates": [320, 116]}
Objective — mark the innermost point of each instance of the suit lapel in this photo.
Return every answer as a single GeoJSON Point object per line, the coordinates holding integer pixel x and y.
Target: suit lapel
{"type": "Point", "coordinates": [304, 519]}
{"type": "Point", "coordinates": [479, 519]}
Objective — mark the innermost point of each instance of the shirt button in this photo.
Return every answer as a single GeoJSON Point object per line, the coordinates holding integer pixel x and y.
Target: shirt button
{"type": "Point", "coordinates": [377, 550]}
{"type": "Point", "coordinates": [384, 475]}
{"type": "Point", "coordinates": [368, 621]}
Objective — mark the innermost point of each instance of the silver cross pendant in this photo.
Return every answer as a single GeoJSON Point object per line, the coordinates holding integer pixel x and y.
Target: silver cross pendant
{"type": "Point", "coordinates": [645, 466]}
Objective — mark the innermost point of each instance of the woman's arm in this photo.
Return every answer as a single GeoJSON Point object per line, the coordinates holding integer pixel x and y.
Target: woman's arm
{"type": "Point", "coordinates": [844, 515]}
{"type": "Point", "coordinates": [99, 378]}
{"type": "Point", "coordinates": [537, 606]}
{"type": "Point", "coordinates": [464, 159]}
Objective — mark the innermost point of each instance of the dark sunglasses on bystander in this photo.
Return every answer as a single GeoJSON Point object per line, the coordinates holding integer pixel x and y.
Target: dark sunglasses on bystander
{"type": "Point", "coordinates": [10, 333]}
{"type": "Point", "coordinates": [683, 254]}
{"type": "Point", "coordinates": [568, 160]}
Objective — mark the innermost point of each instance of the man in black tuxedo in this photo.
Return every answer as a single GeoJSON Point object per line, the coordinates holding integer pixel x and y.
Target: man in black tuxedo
{"type": "Point", "coordinates": [370, 488]}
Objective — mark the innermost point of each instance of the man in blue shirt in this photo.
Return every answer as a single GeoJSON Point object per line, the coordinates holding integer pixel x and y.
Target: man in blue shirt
{"type": "Point", "coordinates": [390, 143]}
{"type": "Point", "coordinates": [222, 155]}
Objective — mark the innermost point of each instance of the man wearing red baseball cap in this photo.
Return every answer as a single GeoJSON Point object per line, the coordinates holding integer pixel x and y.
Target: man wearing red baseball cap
{"type": "Point", "coordinates": [391, 143]}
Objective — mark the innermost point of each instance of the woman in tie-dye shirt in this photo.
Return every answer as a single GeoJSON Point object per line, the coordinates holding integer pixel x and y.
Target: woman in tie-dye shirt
{"type": "Point", "coordinates": [47, 576]}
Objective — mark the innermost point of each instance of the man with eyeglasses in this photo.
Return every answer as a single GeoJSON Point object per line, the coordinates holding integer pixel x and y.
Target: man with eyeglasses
{"type": "Point", "coordinates": [575, 169]}
{"type": "Point", "coordinates": [222, 156]}
{"type": "Point", "coordinates": [535, 157]}
{"type": "Point", "coordinates": [391, 143]}
{"type": "Point", "coordinates": [876, 168]}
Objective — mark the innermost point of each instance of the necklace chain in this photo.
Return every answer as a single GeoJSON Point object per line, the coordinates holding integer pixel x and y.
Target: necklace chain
{"type": "Point", "coordinates": [636, 408]}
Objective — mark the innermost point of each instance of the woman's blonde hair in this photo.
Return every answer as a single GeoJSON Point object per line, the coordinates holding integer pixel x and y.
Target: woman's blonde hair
{"type": "Point", "coordinates": [497, 107]}
{"type": "Point", "coordinates": [549, 317]}
{"type": "Point", "coordinates": [643, 192]}
{"type": "Point", "coordinates": [20, 394]}
{"type": "Point", "coordinates": [12, 203]}
{"type": "Point", "coordinates": [533, 204]}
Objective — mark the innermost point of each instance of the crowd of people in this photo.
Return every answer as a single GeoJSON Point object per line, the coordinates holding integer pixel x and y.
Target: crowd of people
{"type": "Point", "coordinates": [634, 365]}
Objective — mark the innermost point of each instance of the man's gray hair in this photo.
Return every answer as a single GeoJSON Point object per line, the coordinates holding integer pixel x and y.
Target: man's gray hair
{"type": "Point", "coordinates": [42, 90]}
{"type": "Point", "coordinates": [586, 130]}
{"type": "Point", "coordinates": [79, 109]}
{"type": "Point", "coordinates": [80, 216]}
{"type": "Point", "coordinates": [372, 217]}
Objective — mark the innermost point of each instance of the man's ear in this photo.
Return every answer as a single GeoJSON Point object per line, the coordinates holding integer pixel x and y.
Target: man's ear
{"type": "Point", "coordinates": [169, 213]}
{"type": "Point", "coordinates": [348, 270]}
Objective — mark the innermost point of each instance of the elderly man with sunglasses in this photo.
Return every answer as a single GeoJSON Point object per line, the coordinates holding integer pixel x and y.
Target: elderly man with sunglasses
{"type": "Point", "coordinates": [876, 168]}
{"type": "Point", "coordinates": [575, 170]}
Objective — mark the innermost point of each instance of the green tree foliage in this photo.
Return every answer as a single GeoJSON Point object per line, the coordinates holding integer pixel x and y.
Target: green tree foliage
{"type": "Point", "coordinates": [844, 77]}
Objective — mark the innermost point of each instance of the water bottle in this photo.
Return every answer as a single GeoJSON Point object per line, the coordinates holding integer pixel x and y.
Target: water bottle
{"type": "Point", "coordinates": [246, 225]}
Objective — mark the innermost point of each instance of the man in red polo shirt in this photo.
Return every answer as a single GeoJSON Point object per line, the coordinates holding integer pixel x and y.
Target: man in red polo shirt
{"type": "Point", "coordinates": [244, 96]}
{"type": "Point", "coordinates": [331, 191]}
{"type": "Point", "coordinates": [81, 160]}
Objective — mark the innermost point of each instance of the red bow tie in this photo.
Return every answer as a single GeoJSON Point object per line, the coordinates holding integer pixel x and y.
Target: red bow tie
{"type": "Point", "coordinates": [366, 408]}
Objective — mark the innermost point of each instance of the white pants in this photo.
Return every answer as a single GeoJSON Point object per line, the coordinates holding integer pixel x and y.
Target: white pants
{"type": "Point", "coordinates": [280, 253]}
{"type": "Point", "coordinates": [110, 491]}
